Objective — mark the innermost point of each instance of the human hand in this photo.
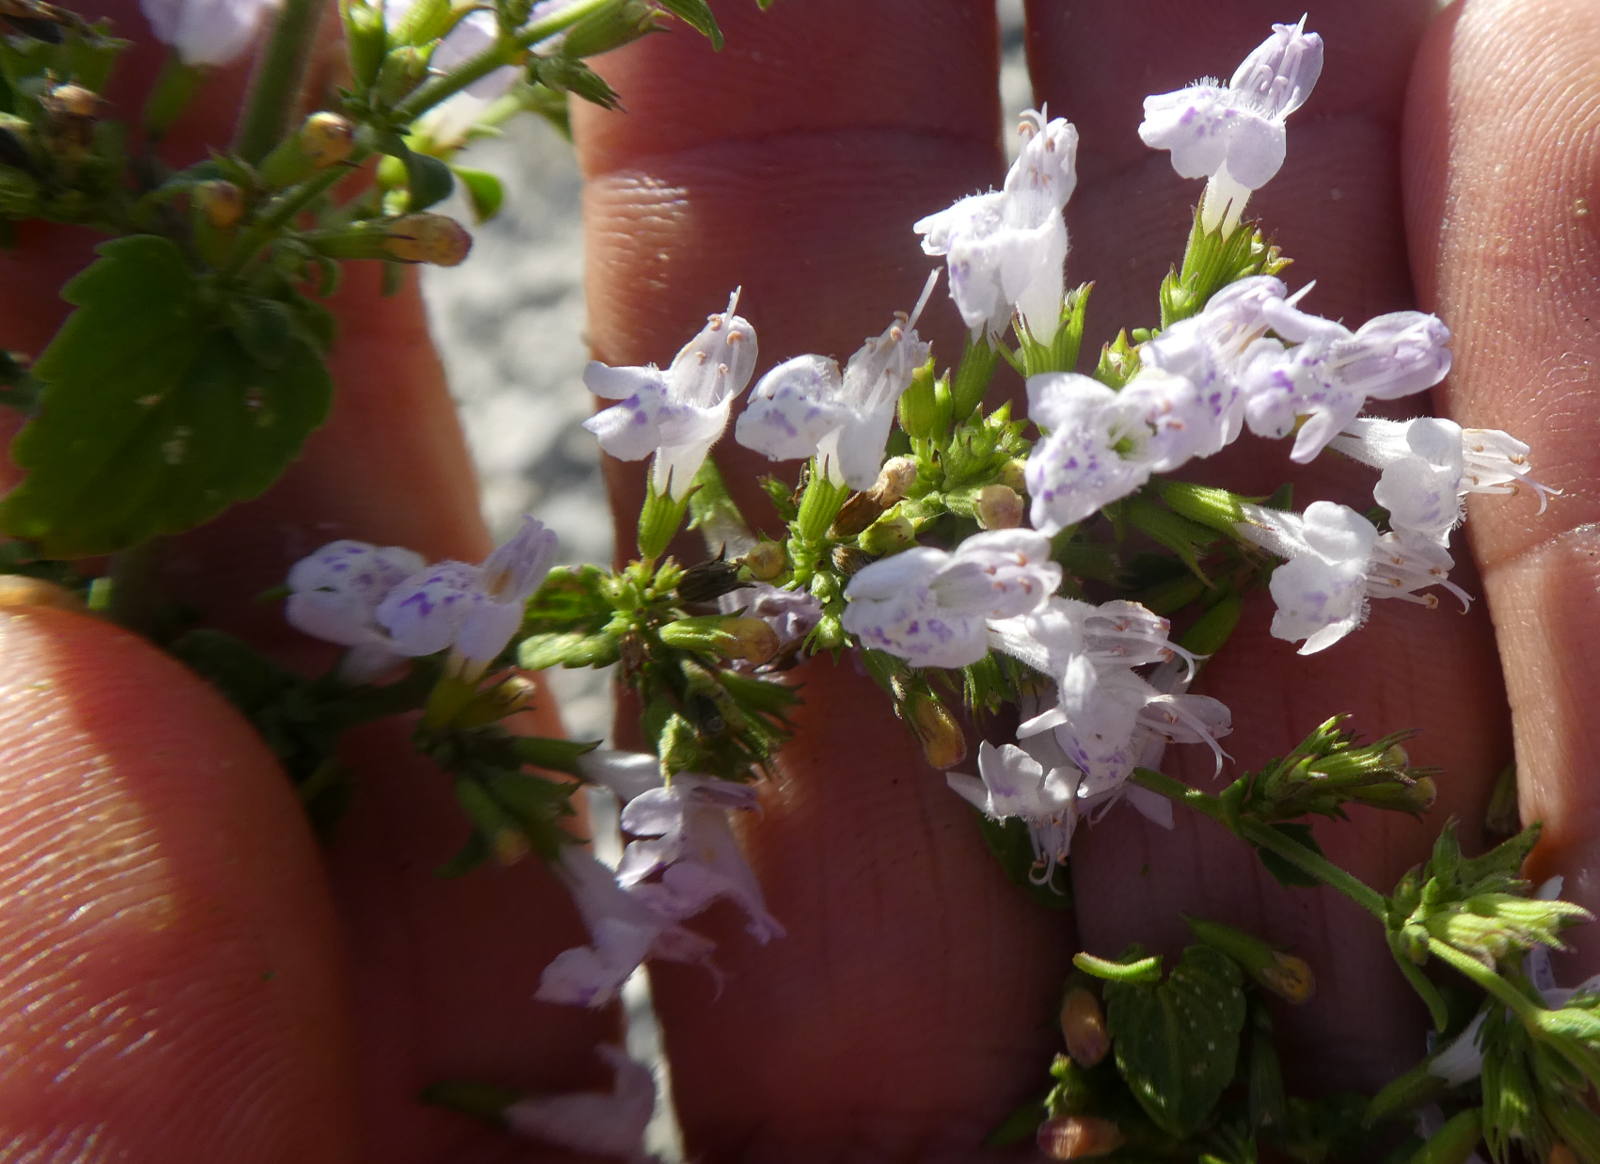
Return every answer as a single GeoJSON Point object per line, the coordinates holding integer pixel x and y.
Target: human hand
{"type": "Point", "coordinates": [907, 1009]}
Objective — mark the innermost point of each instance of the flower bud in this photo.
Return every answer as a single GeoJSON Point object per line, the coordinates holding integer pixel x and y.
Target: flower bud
{"type": "Point", "coordinates": [751, 639]}
{"type": "Point", "coordinates": [944, 744]}
{"type": "Point", "coordinates": [765, 561]}
{"type": "Point", "coordinates": [1078, 1137]}
{"type": "Point", "coordinates": [427, 238]}
{"type": "Point", "coordinates": [402, 71]}
{"type": "Point", "coordinates": [888, 535]}
{"type": "Point", "coordinates": [327, 139]}
{"type": "Point", "coordinates": [894, 480]}
{"type": "Point", "coordinates": [1287, 976]}
{"type": "Point", "coordinates": [220, 203]}
{"type": "Point", "coordinates": [365, 39]}
{"type": "Point", "coordinates": [71, 112]}
{"type": "Point", "coordinates": [998, 507]}
{"type": "Point", "coordinates": [609, 27]}
{"type": "Point", "coordinates": [1083, 1026]}
{"type": "Point", "coordinates": [1013, 475]}
{"type": "Point", "coordinates": [729, 636]}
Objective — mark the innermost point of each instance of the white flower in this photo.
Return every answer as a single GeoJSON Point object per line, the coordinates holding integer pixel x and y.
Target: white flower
{"type": "Point", "coordinates": [1335, 562]}
{"type": "Point", "coordinates": [473, 611]}
{"type": "Point", "coordinates": [1007, 249]}
{"type": "Point", "coordinates": [677, 414]}
{"type": "Point", "coordinates": [930, 606]}
{"type": "Point", "coordinates": [334, 592]}
{"type": "Point", "coordinates": [1331, 372]}
{"type": "Point", "coordinates": [206, 32]}
{"type": "Point", "coordinates": [1187, 385]}
{"type": "Point", "coordinates": [625, 930]}
{"type": "Point", "coordinates": [1016, 784]}
{"type": "Point", "coordinates": [1095, 450]}
{"type": "Point", "coordinates": [805, 407]}
{"type": "Point", "coordinates": [1429, 465]}
{"type": "Point", "coordinates": [1235, 136]}
{"type": "Point", "coordinates": [593, 1122]}
{"type": "Point", "coordinates": [694, 853]}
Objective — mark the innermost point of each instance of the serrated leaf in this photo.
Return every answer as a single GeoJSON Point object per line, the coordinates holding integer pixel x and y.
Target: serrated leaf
{"type": "Point", "coordinates": [697, 15]}
{"type": "Point", "coordinates": [154, 416]}
{"type": "Point", "coordinates": [1177, 1041]}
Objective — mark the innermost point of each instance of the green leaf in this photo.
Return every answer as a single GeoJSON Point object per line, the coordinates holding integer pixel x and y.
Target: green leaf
{"type": "Point", "coordinates": [1177, 1041]}
{"type": "Point", "coordinates": [484, 191]}
{"type": "Point", "coordinates": [697, 15]}
{"type": "Point", "coordinates": [428, 181]}
{"type": "Point", "coordinates": [155, 414]}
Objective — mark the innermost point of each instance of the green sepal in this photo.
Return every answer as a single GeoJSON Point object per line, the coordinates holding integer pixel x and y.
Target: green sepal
{"type": "Point", "coordinates": [485, 191]}
{"type": "Point", "coordinates": [157, 414]}
{"type": "Point", "coordinates": [567, 649]}
{"type": "Point", "coordinates": [1177, 1041]}
{"type": "Point", "coordinates": [565, 75]}
{"type": "Point", "coordinates": [555, 755]}
{"type": "Point", "coordinates": [1210, 632]}
{"type": "Point", "coordinates": [697, 15]}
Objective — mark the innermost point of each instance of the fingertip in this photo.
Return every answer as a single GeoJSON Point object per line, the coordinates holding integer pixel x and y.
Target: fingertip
{"type": "Point", "coordinates": [169, 974]}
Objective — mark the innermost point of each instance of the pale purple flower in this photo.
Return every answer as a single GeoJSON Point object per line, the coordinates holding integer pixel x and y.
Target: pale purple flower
{"type": "Point", "coordinates": [206, 32]}
{"type": "Point", "coordinates": [1235, 135]}
{"type": "Point", "coordinates": [1335, 562]}
{"type": "Point", "coordinates": [602, 1123]}
{"type": "Point", "coordinates": [805, 407]}
{"type": "Point", "coordinates": [1007, 250]}
{"type": "Point", "coordinates": [1187, 386]}
{"type": "Point", "coordinates": [1324, 380]}
{"type": "Point", "coordinates": [1430, 464]}
{"type": "Point", "coordinates": [676, 414]}
{"type": "Point", "coordinates": [334, 593]}
{"type": "Point", "coordinates": [683, 839]}
{"type": "Point", "coordinates": [1016, 784]}
{"type": "Point", "coordinates": [472, 611]}
{"type": "Point", "coordinates": [930, 607]}
{"type": "Point", "coordinates": [625, 930]}
{"type": "Point", "coordinates": [790, 613]}
{"type": "Point", "coordinates": [1094, 451]}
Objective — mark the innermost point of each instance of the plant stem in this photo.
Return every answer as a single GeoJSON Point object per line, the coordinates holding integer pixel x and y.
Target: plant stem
{"type": "Point", "coordinates": [275, 88]}
{"type": "Point", "coordinates": [1266, 837]}
{"type": "Point", "coordinates": [496, 56]}
{"type": "Point", "coordinates": [1491, 982]}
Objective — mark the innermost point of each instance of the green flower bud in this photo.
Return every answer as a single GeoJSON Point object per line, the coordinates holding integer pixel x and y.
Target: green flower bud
{"type": "Point", "coordinates": [888, 535]}
{"type": "Point", "coordinates": [894, 480]}
{"type": "Point", "coordinates": [998, 507]}
{"type": "Point", "coordinates": [610, 27]}
{"type": "Point", "coordinates": [324, 139]}
{"type": "Point", "coordinates": [365, 39]}
{"type": "Point", "coordinates": [427, 238]}
{"type": "Point", "coordinates": [765, 561]}
{"type": "Point", "coordinates": [220, 203]}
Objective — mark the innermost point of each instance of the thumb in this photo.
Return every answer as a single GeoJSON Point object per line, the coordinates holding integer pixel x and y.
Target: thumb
{"type": "Point", "coordinates": [159, 897]}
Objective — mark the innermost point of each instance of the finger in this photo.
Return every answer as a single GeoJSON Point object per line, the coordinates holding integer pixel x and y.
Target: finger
{"type": "Point", "coordinates": [170, 977]}
{"type": "Point", "coordinates": [444, 970]}
{"type": "Point", "coordinates": [912, 991]}
{"type": "Point", "coordinates": [1335, 210]}
{"type": "Point", "coordinates": [1504, 199]}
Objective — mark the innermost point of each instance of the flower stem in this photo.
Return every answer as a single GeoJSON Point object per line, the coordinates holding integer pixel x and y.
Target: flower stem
{"type": "Point", "coordinates": [275, 88]}
{"type": "Point", "coordinates": [1264, 836]}
{"type": "Point", "coordinates": [497, 55]}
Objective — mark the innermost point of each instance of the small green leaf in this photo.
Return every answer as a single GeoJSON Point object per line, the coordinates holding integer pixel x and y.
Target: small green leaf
{"type": "Point", "coordinates": [484, 191]}
{"type": "Point", "coordinates": [428, 181]}
{"type": "Point", "coordinates": [697, 15]}
{"type": "Point", "coordinates": [155, 414]}
{"type": "Point", "coordinates": [1177, 1041]}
